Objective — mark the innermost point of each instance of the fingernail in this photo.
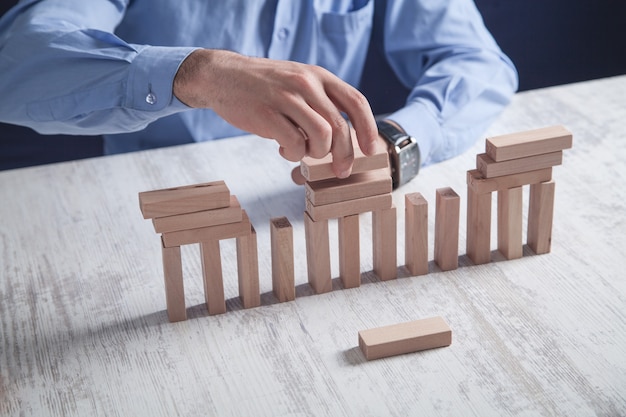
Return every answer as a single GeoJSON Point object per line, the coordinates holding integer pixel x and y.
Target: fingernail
{"type": "Point", "coordinates": [344, 174]}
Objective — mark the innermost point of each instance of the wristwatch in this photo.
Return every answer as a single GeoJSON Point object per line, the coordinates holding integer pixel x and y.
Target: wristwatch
{"type": "Point", "coordinates": [404, 153]}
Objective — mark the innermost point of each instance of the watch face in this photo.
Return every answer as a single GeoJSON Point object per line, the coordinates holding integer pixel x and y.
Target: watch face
{"type": "Point", "coordinates": [409, 163]}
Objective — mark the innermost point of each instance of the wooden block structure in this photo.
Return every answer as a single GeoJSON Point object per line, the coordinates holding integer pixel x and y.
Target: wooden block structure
{"type": "Point", "coordinates": [509, 163]}
{"type": "Point", "coordinates": [401, 338]}
{"type": "Point", "coordinates": [368, 189]}
{"type": "Point", "coordinates": [202, 214]}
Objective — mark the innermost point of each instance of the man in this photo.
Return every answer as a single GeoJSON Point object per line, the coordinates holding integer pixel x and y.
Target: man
{"type": "Point", "coordinates": [149, 73]}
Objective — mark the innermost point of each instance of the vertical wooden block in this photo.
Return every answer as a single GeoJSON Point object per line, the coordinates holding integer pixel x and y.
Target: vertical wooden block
{"type": "Point", "coordinates": [281, 234]}
{"type": "Point", "coordinates": [384, 242]}
{"type": "Point", "coordinates": [540, 217]}
{"type": "Point", "coordinates": [478, 242]}
{"type": "Point", "coordinates": [510, 223]}
{"type": "Point", "coordinates": [317, 254]}
{"type": "Point", "coordinates": [212, 276]}
{"type": "Point", "coordinates": [416, 233]}
{"type": "Point", "coordinates": [447, 214]}
{"type": "Point", "coordinates": [248, 269]}
{"type": "Point", "coordinates": [349, 251]}
{"type": "Point", "coordinates": [174, 288]}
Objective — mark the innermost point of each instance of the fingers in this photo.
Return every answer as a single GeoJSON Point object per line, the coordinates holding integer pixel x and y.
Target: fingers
{"type": "Point", "coordinates": [350, 100]}
{"type": "Point", "coordinates": [297, 177]}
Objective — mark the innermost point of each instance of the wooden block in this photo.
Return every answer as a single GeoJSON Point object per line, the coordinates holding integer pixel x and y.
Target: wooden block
{"type": "Point", "coordinates": [349, 251]}
{"type": "Point", "coordinates": [248, 269]}
{"type": "Point", "coordinates": [384, 243]}
{"type": "Point", "coordinates": [489, 168]}
{"type": "Point", "coordinates": [510, 223]}
{"type": "Point", "coordinates": [321, 169]}
{"type": "Point", "coordinates": [204, 234]}
{"type": "Point", "coordinates": [212, 276]}
{"type": "Point", "coordinates": [528, 143]}
{"type": "Point", "coordinates": [174, 288]}
{"type": "Point", "coordinates": [401, 338]}
{"type": "Point", "coordinates": [186, 199]}
{"type": "Point", "coordinates": [482, 185]}
{"type": "Point", "coordinates": [283, 284]}
{"type": "Point", "coordinates": [198, 219]}
{"type": "Point", "coordinates": [447, 212]}
{"type": "Point", "coordinates": [416, 233]}
{"type": "Point", "coordinates": [478, 242]}
{"type": "Point", "coordinates": [356, 186]}
{"type": "Point", "coordinates": [348, 208]}
{"type": "Point", "coordinates": [317, 254]}
{"type": "Point", "coordinates": [540, 216]}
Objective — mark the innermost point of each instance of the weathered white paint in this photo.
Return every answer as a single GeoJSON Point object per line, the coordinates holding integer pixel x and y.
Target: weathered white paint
{"type": "Point", "coordinates": [84, 330]}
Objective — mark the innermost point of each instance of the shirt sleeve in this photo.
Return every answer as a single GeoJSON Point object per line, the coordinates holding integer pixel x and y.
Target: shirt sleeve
{"type": "Point", "coordinates": [64, 71]}
{"type": "Point", "coordinates": [459, 78]}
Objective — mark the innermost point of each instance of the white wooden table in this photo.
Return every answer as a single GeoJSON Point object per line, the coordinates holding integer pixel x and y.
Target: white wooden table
{"type": "Point", "coordinates": [82, 307]}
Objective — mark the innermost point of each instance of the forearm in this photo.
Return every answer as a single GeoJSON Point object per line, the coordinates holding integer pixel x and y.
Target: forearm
{"type": "Point", "coordinates": [59, 77]}
{"type": "Point", "coordinates": [459, 78]}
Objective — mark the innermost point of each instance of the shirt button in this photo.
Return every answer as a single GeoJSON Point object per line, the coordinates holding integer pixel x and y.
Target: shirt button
{"type": "Point", "coordinates": [283, 33]}
{"type": "Point", "coordinates": [151, 98]}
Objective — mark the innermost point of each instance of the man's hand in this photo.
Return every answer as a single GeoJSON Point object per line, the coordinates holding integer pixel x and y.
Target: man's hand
{"type": "Point", "coordinates": [298, 105]}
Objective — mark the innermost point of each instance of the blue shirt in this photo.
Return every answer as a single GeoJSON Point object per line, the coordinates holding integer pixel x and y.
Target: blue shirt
{"type": "Point", "coordinates": [107, 66]}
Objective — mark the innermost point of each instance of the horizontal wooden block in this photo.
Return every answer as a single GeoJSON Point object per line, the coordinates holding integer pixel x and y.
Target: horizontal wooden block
{"type": "Point", "coordinates": [321, 169]}
{"type": "Point", "coordinates": [489, 168]}
{"type": "Point", "coordinates": [222, 231]}
{"type": "Point", "coordinates": [186, 199]}
{"type": "Point", "coordinates": [528, 143]}
{"type": "Point", "coordinates": [482, 185]}
{"type": "Point", "coordinates": [360, 185]}
{"type": "Point", "coordinates": [198, 219]}
{"type": "Point", "coordinates": [347, 208]}
{"type": "Point", "coordinates": [401, 338]}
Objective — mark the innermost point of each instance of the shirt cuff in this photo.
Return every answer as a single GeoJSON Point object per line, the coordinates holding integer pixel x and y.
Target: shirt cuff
{"type": "Point", "coordinates": [151, 79]}
{"type": "Point", "coordinates": [420, 122]}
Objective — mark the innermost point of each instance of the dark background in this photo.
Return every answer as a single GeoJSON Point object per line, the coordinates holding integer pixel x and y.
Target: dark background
{"type": "Point", "coordinates": [551, 42]}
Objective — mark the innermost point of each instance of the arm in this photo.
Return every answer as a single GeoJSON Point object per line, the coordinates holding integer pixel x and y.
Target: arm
{"type": "Point", "coordinates": [459, 77]}
{"type": "Point", "coordinates": [63, 71]}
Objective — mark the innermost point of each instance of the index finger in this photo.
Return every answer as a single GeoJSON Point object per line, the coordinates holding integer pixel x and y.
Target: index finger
{"type": "Point", "coordinates": [350, 100]}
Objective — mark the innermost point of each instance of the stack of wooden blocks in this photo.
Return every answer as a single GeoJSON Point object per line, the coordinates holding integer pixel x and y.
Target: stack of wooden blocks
{"type": "Point", "coordinates": [368, 189]}
{"type": "Point", "coordinates": [204, 214]}
{"type": "Point", "coordinates": [511, 162]}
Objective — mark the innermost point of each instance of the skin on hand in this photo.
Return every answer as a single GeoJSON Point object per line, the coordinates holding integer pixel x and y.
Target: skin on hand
{"type": "Point", "coordinates": [296, 104]}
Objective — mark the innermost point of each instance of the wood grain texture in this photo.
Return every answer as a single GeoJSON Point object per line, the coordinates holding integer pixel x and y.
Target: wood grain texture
{"type": "Point", "coordinates": [510, 205]}
{"type": "Point", "coordinates": [490, 168]}
{"type": "Point", "coordinates": [212, 277]}
{"type": "Point", "coordinates": [335, 190]}
{"type": "Point", "coordinates": [281, 234]}
{"type": "Point", "coordinates": [407, 337]}
{"type": "Point", "coordinates": [348, 208]}
{"type": "Point", "coordinates": [540, 217]}
{"type": "Point", "coordinates": [248, 269]}
{"type": "Point", "coordinates": [416, 233]}
{"type": "Point", "coordinates": [230, 214]}
{"type": "Point", "coordinates": [174, 287]}
{"type": "Point", "coordinates": [528, 143]}
{"type": "Point", "coordinates": [349, 251]}
{"type": "Point", "coordinates": [447, 212]}
{"type": "Point", "coordinates": [84, 330]}
{"type": "Point", "coordinates": [317, 254]}
{"type": "Point", "coordinates": [482, 185]}
{"type": "Point", "coordinates": [478, 240]}
{"type": "Point", "coordinates": [184, 199]}
{"type": "Point", "coordinates": [321, 169]}
{"type": "Point", "coordinates": [385, 243]}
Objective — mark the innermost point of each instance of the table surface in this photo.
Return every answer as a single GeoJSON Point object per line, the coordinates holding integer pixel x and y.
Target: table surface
{"type": "Point", "coordinates": [84, 329]}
